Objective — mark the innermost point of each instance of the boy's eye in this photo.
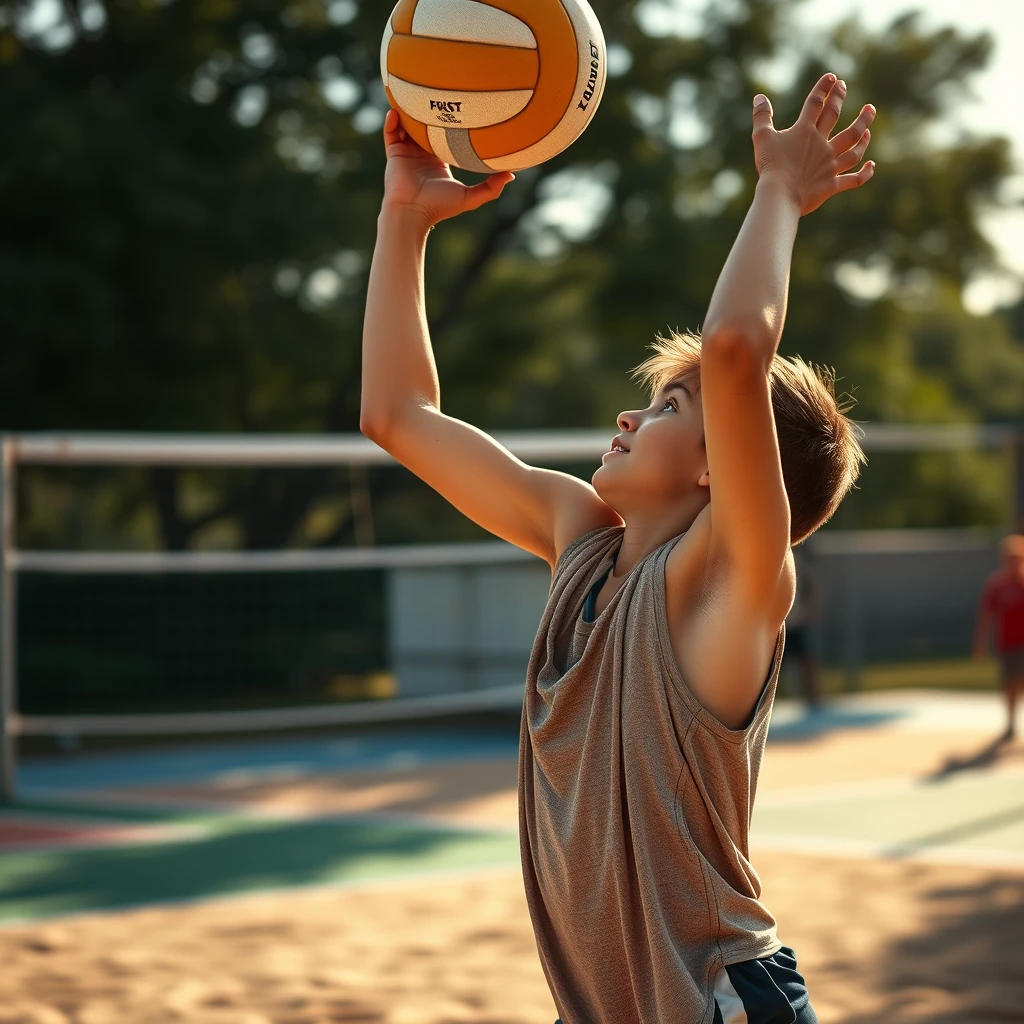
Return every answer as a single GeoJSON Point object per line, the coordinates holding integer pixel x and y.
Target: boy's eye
{"type": "Point", "coordinates": [669, 402]}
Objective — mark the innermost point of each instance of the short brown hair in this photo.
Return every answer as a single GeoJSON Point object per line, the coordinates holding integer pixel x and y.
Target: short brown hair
{"type": "Point", "coordinates": [819, 446]}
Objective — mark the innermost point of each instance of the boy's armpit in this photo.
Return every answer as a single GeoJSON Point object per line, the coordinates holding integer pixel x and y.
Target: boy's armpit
{"type": "Point", "coordinates": [722, 643]}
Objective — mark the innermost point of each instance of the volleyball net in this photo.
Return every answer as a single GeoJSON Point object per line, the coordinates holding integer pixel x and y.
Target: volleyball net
{"type": "Point", "coordinates": [271, 640]}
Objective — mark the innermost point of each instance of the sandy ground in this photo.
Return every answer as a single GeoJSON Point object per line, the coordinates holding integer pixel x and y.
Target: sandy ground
{"type": "Point", "coordinates": [877, 940]}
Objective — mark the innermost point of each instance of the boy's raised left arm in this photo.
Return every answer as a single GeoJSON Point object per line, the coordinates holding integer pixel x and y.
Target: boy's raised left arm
{"type": "Point", "coordinates": [747, 583]}
{"type": "Point", "coordinates": [799, 168]}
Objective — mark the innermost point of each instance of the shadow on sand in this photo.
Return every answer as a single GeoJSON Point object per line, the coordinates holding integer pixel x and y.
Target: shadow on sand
{"type": "Point", "coordinates": [963, 966]}
{"type": "Point", "coordinates": [998, 751]}
{"type": "Point", "coordinates": [828, 719]}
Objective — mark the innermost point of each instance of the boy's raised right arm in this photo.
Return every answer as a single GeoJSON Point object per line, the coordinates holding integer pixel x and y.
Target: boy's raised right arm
{"type": "Point", "coordinates": [538, 510]}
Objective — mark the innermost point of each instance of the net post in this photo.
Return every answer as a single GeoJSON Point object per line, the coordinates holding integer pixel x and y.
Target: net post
{"type": "Point", "coordinates": [8, 621]}
{"type": "Point", "coordinates": [1017, 480]}
{"type": "Point", "coordinates": [853, 625]}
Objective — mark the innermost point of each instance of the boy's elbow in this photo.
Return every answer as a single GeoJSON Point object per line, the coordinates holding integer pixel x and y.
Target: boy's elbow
{"type": "Point", "coordinates": [372, 426]}
{"type": "Point", "coordinates": [384, 426]}
{"type": "Point", "coordinates": [738, 346]}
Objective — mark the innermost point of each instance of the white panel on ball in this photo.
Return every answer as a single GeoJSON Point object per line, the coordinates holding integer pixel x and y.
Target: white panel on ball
{"type": "Point", "coordinates": [471, 21]}
{"type": "Point", "coordinates": [590, 82]}
{"type": "Point", "coordinates": [460, 109]}
{"type": "Point", "coordinates": [388, 33]}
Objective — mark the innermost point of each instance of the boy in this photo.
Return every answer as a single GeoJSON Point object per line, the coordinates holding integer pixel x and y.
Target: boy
{"type": "Point", "coordinates": [655, 665]}
{"type": "Point", "coordinates": [1002, 606]}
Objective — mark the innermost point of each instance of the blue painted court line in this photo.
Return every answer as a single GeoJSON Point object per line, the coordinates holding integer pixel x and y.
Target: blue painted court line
{"type": "Point", "coordinates": [301, 756]}
{"type": "Point", "coordinates": [407, 748]}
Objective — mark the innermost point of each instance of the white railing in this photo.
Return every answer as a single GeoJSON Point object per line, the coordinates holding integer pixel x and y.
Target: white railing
{"type": "Point", "coordinates": [291, 451]}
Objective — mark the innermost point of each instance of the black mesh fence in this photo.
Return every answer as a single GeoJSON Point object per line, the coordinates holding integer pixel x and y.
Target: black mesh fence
{"type": "Point", "coordinates": [92, 644]}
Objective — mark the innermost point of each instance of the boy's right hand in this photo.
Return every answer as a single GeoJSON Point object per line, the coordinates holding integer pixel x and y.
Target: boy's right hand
{"type": "Point", "coordinates": [418, 181]}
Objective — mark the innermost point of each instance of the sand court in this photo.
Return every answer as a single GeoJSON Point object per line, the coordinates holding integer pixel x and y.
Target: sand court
{"type": "Point", "coordinates": [876, 940]}
{"type": "Point", "coordinates": [386, 887]}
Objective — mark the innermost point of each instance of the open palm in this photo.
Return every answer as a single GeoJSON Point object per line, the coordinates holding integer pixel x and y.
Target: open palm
{"type": "Point", "coordinates": [815, 166]}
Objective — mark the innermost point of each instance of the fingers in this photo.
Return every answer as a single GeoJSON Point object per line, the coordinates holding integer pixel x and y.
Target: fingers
{"type": "Point", "coordinates": [815, 102]}
{"type": "Point", "coordinates": [854, 155]}
{"type": "Point", "coordinates": [847, 181]}
{"type": "Point", "coordinates": [487, 190]}
{"type": "Point", "coordinates": [832, 108]}
{"type": "Point", "coordinates": [762, 112]}
{"type": "Point", "coordinates": [393, 130]}
{"type": "Point", "coordinates": [851, 136]}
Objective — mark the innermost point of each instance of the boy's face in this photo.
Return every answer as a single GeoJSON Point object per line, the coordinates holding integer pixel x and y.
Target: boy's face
{"type": "Point", "coordinates": [665, 468]}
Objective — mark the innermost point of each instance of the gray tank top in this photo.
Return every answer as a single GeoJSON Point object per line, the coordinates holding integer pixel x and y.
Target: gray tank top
{"type": "Point", "coordinates": [634, 806]}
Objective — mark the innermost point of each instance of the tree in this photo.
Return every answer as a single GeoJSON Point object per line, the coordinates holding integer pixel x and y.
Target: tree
{"type": "Point", "coordinates": [191, 190]}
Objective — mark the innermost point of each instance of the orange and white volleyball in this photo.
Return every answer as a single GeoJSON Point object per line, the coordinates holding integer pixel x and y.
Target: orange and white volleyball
{"type": "Point", "coordinates": [494, 86]}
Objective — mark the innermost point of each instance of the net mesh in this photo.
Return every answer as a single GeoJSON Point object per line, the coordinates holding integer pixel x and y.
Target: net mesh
{"type": "Point", "coordinates": [96, 644]}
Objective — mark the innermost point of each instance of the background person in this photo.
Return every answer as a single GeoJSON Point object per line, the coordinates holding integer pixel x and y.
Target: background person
{"type": "Point", "coordinates": [802, 624]}
{"type": "Point", "coordinates": [1002, 608]}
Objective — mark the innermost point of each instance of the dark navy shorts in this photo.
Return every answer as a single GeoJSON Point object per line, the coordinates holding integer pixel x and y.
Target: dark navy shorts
{"type": "Point", "coordinates": [765, 991]}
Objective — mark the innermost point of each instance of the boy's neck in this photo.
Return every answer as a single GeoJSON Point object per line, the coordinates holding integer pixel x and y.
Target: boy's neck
{"type": "Point", "coordinates": [641, 536]}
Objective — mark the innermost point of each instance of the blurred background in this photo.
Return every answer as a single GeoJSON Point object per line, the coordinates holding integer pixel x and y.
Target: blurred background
{"type": "Point", "coordinates": [189, 193]}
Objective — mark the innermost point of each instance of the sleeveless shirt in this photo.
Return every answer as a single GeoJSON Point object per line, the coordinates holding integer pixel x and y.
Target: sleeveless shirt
{"type": "Point", "coordinates": [634, 806]}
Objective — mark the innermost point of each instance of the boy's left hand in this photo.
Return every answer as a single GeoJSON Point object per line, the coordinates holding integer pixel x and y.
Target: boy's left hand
{"type": "Point", "coordinates": [803, 158]}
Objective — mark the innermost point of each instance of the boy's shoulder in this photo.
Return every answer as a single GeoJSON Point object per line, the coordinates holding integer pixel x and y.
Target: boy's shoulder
{"type": "Point", "coordinates": [580, 512]}
{"type": "Point", "coordinates": [724, 641]}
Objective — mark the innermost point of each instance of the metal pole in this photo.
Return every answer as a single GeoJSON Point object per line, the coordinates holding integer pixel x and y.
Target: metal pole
{"type": "Point", "coordinates": [1017, 481]}
{"type": "Point", "coordinates": [853, 621]}
{"type": "Point", "coordinates": [8, 625]}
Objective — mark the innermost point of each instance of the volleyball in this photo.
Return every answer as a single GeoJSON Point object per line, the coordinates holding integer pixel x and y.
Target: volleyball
{"type": "Point", "coordinates": [494, 86]}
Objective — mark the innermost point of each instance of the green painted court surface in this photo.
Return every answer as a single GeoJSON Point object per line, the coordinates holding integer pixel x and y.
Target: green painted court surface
{"type": "Point", "coordinates": [233, 854]}
{"type": "Point", "coordinates": [971, 817]}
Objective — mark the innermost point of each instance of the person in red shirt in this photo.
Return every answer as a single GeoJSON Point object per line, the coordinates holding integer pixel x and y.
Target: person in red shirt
{"type": "Point", "coordinates": [1002, 607]}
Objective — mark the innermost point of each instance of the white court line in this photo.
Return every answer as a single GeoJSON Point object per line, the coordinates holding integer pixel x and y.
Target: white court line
{"type": "Point", "coordinates": [911, 710]}
{"type": "Point", "coordinates": [862, 849]}
{"type": "Point", "coordinates": [835, 791]}
{"type": "Point", "coordinates": [887, 786]}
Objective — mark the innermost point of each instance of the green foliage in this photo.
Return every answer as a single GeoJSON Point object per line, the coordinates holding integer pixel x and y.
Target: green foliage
{"type": "Point", "coordinates": [190, 192]}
